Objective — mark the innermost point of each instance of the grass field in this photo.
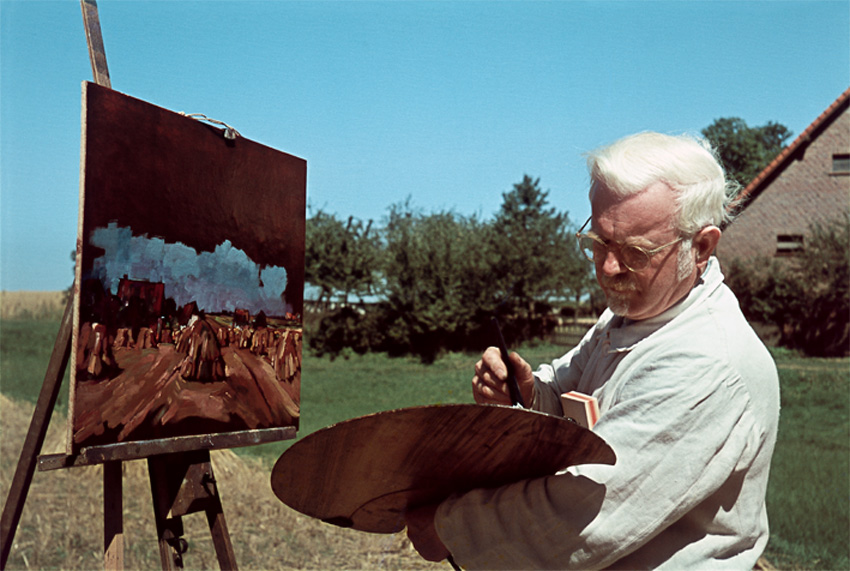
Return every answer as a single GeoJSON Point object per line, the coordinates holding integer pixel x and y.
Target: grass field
{"type": "Point", "coordinates": [808, 496]}
{"type": "Point", "coordinates": [809, 490]}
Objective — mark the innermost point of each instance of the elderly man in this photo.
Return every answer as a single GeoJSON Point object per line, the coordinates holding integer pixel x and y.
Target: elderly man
{"type": "Point", "coordinates": [688, 395]}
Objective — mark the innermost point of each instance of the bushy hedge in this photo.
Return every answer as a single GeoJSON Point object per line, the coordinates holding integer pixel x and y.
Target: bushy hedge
{"type": "Point", "coordinates": [807, 297]}
{"type": "Point", "coordinates": [434, 281]}
{"type": "Point", "coordinates": [384, 328]}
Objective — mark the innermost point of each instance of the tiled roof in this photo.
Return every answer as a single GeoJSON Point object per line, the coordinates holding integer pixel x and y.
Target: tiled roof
{"type": "Point", "coordinates": [784, 158]}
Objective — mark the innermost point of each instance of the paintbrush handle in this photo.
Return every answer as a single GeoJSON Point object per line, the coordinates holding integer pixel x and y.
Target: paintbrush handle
{"type": "Point", "coordinates": [513, 386]}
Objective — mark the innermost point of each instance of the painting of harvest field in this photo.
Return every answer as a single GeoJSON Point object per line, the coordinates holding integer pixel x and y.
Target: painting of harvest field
{"type": "Point", "coordinates": [189, 278]}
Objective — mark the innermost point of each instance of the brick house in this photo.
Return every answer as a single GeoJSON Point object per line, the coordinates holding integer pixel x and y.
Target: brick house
{"type": "Point", "coordinates": [809, 181]}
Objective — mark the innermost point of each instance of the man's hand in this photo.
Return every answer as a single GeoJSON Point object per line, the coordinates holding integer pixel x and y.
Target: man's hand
{"type": "Point", "coordinates": [489, 385]}
{"type": "Point", "coordinates": [423, 533]}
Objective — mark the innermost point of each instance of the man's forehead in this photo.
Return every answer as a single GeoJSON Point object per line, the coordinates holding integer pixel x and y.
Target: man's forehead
{"type": "Point", "coordinates": [642, 214]}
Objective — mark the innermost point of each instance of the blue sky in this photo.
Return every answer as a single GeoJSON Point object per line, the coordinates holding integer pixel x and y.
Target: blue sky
{"type": "Point", "coordinates": [448, 103]}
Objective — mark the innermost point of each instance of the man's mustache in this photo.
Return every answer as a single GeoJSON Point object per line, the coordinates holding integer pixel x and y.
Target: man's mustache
{"type": "Point", "coordinates": [621, 283]}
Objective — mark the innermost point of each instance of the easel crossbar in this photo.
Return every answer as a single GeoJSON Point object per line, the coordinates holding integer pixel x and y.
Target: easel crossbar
{"type": "Point", "coordinates": [145, 448]}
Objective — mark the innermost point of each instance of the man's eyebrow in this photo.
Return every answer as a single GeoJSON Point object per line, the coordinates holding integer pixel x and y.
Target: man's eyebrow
{"type": "Point", "coordinates": [641, 241]}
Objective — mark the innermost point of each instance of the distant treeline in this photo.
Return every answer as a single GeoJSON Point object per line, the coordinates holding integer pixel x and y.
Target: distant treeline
{"type": "Point", "coordinates": [423, 283]}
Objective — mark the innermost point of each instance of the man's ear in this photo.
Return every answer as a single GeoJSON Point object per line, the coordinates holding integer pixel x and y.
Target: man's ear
{"type": "Point", "coordinates": [705, 242]}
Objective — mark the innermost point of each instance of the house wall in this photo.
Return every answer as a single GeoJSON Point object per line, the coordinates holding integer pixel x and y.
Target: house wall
{"type": "Point", "coordinates": [806, 191]}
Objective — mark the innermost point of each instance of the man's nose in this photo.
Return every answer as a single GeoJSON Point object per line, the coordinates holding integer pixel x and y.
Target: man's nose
{"type": "Point", "coordinates": [611, 264]}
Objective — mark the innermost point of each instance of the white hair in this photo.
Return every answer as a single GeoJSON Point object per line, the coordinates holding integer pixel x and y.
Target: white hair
{"type": "Point", "coordinates": [687, 164]}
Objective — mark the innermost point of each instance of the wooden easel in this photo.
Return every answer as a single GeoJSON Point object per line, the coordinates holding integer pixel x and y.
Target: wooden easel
{"type": "Point", "coordinates": [181, 475]}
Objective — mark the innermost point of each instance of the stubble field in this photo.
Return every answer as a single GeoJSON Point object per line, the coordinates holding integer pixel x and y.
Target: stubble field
{"type": "Point", "coordinates": [62, 522]}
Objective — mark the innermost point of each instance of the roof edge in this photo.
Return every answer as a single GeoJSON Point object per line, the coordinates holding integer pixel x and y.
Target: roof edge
{"type": "Point", "coordinates": [784, 158]}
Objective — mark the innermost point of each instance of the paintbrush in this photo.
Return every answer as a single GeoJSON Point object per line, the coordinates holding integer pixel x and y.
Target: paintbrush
{"type": "Point", "coordinates": [513, 386]}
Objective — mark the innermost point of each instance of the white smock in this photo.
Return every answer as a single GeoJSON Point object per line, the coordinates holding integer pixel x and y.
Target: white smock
{"type": "Point", "coordinates": [689, 402]}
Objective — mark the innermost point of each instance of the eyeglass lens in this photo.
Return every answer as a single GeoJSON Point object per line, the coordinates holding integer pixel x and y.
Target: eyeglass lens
{"type": "Point", "coordinates": [632, 257]}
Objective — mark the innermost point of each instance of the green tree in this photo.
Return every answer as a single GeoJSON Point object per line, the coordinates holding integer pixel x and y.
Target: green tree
{"type": "Point", "coordinates": [537, 260]}
{"type": "Point", "coordinates": [435, 282]}
{"type": "Point", "coordinates": [340, 258]}
{"type": "Point", "coordinates": [744, 150]}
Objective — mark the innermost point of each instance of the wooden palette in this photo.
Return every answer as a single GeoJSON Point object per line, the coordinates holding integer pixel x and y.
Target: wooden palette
{"type": "Point", "coordinates": [365, 472]}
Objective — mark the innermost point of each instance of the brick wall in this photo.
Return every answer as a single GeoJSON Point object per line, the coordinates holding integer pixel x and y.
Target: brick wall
{"type": "Point", "coordinates": [805, 191]}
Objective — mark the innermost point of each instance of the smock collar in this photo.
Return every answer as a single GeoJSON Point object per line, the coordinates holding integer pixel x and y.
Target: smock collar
{"type": "Point", "coordinates": [622, 334]}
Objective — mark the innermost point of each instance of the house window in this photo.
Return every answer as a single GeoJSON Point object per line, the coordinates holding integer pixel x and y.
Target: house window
{"type": "Point", "coordinates": [789, 244]}
{"type": "Point", "coordinates": [841, 163]}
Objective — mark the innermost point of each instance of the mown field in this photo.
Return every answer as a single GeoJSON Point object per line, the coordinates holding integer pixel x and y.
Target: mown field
{"type": "Point", "coordinates": [808, 496]}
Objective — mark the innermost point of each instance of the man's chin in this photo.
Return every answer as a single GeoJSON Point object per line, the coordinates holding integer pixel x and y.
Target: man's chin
{"type": "Point", "coordinates": [619, 305]}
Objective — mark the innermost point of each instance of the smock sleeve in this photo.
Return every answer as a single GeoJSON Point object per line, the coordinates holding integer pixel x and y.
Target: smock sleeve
{"type": "Point", "coordinates": [563, 374]}
{"type": "Point", "coordinates": [679, 428]}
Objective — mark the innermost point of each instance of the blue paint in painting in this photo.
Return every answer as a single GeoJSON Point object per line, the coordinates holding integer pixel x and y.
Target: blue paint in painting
{"type": "Point", "coordinates": [223, 280]}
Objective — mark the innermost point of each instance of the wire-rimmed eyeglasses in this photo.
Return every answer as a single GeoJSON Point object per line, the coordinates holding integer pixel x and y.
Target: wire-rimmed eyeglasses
{"type": "Point", "coordinates": [634, 258]}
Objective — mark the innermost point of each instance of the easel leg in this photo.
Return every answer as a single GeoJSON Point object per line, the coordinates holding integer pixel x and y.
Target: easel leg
{"type": "Point", "coordinates": [183, 483]}
{"type": "Point", "coordinates": [169, 531]}
{"type": "Point", "coordinates": [94, 38]}
{"type": "Point", "coordinates": [113, 516]}
{"type": "Point", "coordinates": [221, 538]}
{"type": "Point", "coordinates": [36, 433]}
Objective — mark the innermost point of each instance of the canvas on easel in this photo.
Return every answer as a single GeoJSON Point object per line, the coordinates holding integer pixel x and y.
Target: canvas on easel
{"type": "Point", "coordinates": [190, 277]}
